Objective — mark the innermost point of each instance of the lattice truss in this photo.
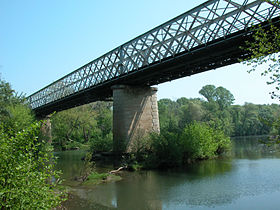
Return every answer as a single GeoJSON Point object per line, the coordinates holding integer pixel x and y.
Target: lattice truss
{"type": "Point", "coordinates": [210, 21]}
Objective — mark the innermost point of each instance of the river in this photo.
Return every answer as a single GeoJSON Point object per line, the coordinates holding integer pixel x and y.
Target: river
{"type": "Point", "coordinates": [248, 179]}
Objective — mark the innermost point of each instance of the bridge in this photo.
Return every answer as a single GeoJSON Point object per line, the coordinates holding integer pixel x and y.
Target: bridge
{"type": "Point", "coordinates": [206, 37]}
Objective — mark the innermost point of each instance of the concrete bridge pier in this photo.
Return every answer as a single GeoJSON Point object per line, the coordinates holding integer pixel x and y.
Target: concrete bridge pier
{"type": "Point", "coordinates": [135, 114]}
{"type": "Point", "coordinates": [46, 129]}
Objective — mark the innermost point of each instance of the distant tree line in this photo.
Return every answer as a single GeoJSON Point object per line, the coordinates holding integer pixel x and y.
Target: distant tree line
{"type": "Point", "coordinates": [217, 111]}
{"type": "Point", "coordinates": [90, 126]}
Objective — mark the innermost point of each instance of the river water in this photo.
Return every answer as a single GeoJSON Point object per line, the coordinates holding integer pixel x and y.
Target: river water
{"type": "Point", "coordinates": [248, 179]}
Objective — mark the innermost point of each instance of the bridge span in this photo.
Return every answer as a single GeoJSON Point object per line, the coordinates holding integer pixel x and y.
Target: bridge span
{"type": "Point", "coordinates": [206, 37]}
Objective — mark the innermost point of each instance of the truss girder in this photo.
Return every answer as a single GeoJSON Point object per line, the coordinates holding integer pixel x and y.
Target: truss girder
{"type": "Point", "coordinates": [206, 23]}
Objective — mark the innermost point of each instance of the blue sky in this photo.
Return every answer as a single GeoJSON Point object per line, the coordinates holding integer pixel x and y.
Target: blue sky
{"type": "Point", "coordinates": [43, 40]}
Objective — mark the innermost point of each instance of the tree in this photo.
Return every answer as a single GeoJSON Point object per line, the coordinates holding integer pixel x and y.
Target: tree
{"type": "Point", "coordinates": [6, 98]}
{"type": "Point", "coordinates": [264, 49]}
{"type": "Point", "coordinates": [224, 97]}
{"type": "Point", "coordinates": [26, 166]}
{"type": "Point", "coordinates": [217, 107]}
{"type": "Point", "coordinates": [190, 112]}
{"type": "Point", "coordinates": [83, 126]}
{"type": "Point", "coordinates": [209, 92]}
{"type": "Point", "coordinates": [251, 122]}
{"type": "Point", "coordinates": [20, 116]}
{"type": "Point", "coordinates": [220, 95]}
{"type": "Point", "coordinates": [6, 93]}
{"type": "Point", "coordinates": [168, 112]}
{"type": "Point", "coordinates": [237, 113]}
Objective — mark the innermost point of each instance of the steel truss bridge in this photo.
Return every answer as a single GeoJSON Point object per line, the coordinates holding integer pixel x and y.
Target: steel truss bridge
{"type": "Point", "coordinates": [207, 37]}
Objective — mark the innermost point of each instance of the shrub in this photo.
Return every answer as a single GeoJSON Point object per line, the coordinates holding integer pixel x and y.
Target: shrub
{"type": "Point", "coordinates": [165, 150]}
{"type": "Point", "coordinates": [102, 143]}
{"type": "Point", "coordinates": [26, 171]}
{"type": "Point", "coordinates": [19, 116]}
{"type": "Point", "coordinates": [199, 141]}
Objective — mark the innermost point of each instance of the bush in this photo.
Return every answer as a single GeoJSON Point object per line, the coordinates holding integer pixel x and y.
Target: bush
{"type": "Point", "coordinates": [18, 116]}
{"type": "Point", "coordinates": [199, 141]}
{"type": "Point", "coordinates": [166, 148]}
{"type": "Point", "coordinates": [102, 143]}
{"type": "Point", "coordinates": [196, 141]}
{"type": "Point", "coordinates": [26, 171]}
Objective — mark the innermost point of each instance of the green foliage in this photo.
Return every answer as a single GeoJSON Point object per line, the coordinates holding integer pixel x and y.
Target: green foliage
{"type": "Point", "coordinates": [274, 137]}
{"type": "Point", "coordinates": [14, 115]}
{"type": "Point", "coordinates": [233, 120]}
{"type": "Point", "coordinates": [195, 141]}
{"type": "Point", "coordinates": [91, 124]}
{"type": "Point", "coordinates": [165, 150]}
{"type": "Point", "coordinates": [20, 116]}
{"type": "Point", "coordinates": [168, 110]}
{"type": "Point", "coordinates": [97, 178]}
{"type": "Point", "coordinates": [136, 166]}
{"type": "Point", "coordinates": [192, 110]}
{"type": "Point", "coordinates": [215, 111]}
{"type": "Point", "coordinates": [264, 50]}
{"type": "Point", "coordinates": [8, 98]}
{"type": "Point", "coordinates": [26, 171]}
{"type": "Point", "coordinates": [85, 125]}
{"type": "Point", "coordinates": [199, 141]}
{"type": "Point", "coordinates": [217, 107]}
{"type": "Point", "coordinates": [27, 177]}
{"type": "Point", "coordinates": [102, 143]}
{"type": "Point", "coordinates": [72, 126]}
{"type": "Point", "coordinates": [95, 175]}
{"type": "Point", "coordinates": [221, 96]}
{"type": "Point", "coordinates": [6, 94]}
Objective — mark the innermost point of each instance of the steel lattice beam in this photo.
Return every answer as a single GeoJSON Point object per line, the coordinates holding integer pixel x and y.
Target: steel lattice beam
{"type": "Point", "coordinates": [211, 22]}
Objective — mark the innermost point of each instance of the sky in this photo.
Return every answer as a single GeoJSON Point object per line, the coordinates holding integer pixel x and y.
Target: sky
{"type": "Point", "coordinates": [43, 40]}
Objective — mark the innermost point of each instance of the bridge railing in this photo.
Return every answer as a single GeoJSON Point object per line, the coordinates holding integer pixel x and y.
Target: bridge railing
{"type": "Point", "coordinates": [208, 22]}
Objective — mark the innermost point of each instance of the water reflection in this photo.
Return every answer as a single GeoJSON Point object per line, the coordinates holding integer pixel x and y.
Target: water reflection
{"type": "Point", "coordinates": [243, 181]}
{"type": "Point", "coordinates": [252, 148]}
{"type": "Point", "coordinates": [70, 163]}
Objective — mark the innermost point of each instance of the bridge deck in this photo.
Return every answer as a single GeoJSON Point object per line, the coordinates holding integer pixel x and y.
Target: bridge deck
{"type": "Point", "coordinates": [206, 37]}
